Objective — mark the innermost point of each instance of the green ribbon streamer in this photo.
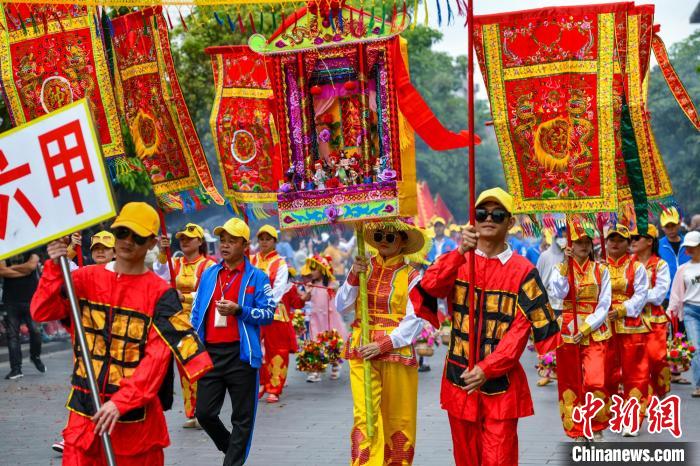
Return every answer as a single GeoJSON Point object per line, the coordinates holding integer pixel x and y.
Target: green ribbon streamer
{"type": "Point", "coordinates": [635, 176]}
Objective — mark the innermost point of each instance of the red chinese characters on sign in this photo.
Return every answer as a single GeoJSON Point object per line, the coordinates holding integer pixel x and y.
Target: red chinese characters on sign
{"type": "Point", "coordinates": [66, 160]}
{"type": "Point", "coordinates": [6, 177]}
{"type": "Point", "coordinates": [624, 414]}
{"type": "Point", "coordinates": [586, 412]}
{"type": "Point", "coordinates": [665, 415]}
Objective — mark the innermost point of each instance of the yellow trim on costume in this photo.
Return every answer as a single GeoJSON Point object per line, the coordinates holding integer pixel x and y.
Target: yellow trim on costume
{"type": "Point", "coordinates": [562, 67]}
{"type": "Point", "coordinates": [247, 93]}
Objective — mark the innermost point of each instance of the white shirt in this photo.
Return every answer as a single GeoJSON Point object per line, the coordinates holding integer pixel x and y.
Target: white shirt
{"type": "Point", "coordinates": [559, 287]}
{"type": "Point", "coordinates": [409, 327]}
{"type": "Point", "coordinates": [656, 295]}
{"type": "Point", "coordinates": [691, 280]}
{"type": "Point", "coordinates": [549, 261]}
{"type": "Point", "coordinates": [636, 303]}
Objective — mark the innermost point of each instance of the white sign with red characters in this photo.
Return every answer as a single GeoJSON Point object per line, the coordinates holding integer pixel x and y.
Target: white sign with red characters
{"type": "Point", "coordinates": [52, 179]}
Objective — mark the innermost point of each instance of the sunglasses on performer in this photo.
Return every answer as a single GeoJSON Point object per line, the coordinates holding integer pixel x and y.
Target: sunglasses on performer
{"type": "Point", "coordinates": [380, 236]}
{"type": "Point", "coordinates": [497, 215]}
{"type": "Point", "coordinates": [638, 237]}
{"type": "Point", "coordinates": [123, 233]}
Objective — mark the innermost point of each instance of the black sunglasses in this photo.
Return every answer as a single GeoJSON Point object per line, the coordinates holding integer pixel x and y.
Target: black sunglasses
{"type": "Point", "coordinates": [638, 237]}
{"type": "Point", "coordinates": [123, 233]}
{"type": "Point", "coordinates": [497, 215]}
{"type": "Point", "coordinates": [380, 236]}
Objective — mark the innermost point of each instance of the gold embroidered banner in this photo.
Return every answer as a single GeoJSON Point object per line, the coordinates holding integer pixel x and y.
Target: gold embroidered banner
{"type": "Point", "coordinates": [154, 109]}
{"type": "Point", "coordinates": [52, 55]}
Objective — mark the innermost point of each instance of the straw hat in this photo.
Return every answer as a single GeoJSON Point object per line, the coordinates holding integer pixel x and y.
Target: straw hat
{"type": "Point", "coordinates": [415, 238]}
{"type": "Point", "coordinates": [318, 261]}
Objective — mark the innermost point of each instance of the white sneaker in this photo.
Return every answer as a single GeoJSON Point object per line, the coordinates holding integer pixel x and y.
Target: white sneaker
{"type": "Point", "coordinates": [57, 447]}
{"type": "Point", "coordinates": [313, 377]}
{"type": "Point", "coordinates": [627, 432]}
{"type": "Point", "coordinates": [598, 436]}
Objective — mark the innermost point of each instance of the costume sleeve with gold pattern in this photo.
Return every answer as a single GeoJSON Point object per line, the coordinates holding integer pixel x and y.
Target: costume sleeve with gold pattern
{"type": "Point", "coordinates": [437, 282]}
{"type": "Point", "coordinates": [173, 326]}
{"type": "Point", "coordinates": [534, 303]}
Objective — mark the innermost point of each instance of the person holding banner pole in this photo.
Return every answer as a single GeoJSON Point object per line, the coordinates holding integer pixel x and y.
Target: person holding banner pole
{"type": "Point", "coordinates": [131, 321]}
{"type": "Point", "coordinates": [485, 402]}
{"type": "Point", "coordinates": [581, 359]}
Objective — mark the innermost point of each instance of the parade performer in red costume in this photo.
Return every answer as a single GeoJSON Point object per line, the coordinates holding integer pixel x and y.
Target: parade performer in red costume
{"type": "Point", "coordinates": [627, 361]}
{"type": "Point", "coordinates": [133, 321]}
{"type": "Point", "coordinates": [188, 270]}
{"type": "Point", "coordinates": [645, 249]}
{"type": "Point", "coordinates": [484, 403]}
{"type": "Point", "coordinates": [276, 336]}
{"type": "Point", "coordinates": [581, 359]}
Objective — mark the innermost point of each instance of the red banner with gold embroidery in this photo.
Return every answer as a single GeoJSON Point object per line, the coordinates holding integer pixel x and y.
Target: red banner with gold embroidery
{"type": "Point", "coordinates": [53, 55]}
{"type": "Point", "coordinates": [154, 109]}
{"type": "Point", "coordinates": [549, 74]}
{"type": "Point", "coordinates": [243, 124]}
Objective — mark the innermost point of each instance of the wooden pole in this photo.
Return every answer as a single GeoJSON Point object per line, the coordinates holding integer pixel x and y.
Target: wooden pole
{"type": "Point", "coordinates": [472, 174]}
{"type": "Point", "coordinates": [364, 327]}
{"type": "Point", "coordinates": [168, 252]}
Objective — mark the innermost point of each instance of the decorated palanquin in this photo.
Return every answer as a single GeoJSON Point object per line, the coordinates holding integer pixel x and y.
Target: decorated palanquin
{"type": "Point", "coordinates": [151, 101]}
{"type": "Point", "coordinates": [319, 118]}
{"type": "Point", "coordinates": [53, 55]}
{"type": "Point", "coordinates": [566, 92]}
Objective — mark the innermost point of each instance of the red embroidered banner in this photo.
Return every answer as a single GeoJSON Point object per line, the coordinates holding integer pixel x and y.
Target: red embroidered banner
{"type": "Point", "coordinates": [52, 55]}
{"type": "Point", "coordinates": [154, 109]}
{"type": "Point", "coordinates": [243, 124]}
{"type": "Point", "coordinates": [549, 75]}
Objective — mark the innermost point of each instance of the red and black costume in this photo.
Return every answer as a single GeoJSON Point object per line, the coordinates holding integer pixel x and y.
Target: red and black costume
{"type": "Point", "coordinates": [511, 302]}
{"type": "Point", "coordinates": [132, 324]}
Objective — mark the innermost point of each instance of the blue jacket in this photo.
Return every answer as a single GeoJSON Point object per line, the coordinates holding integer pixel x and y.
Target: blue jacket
{"type": "Point", "coordinates": [257, 308]}
{"type": "Point", "coordinates": [447, 246]}
{"type": "Point", "coordinates": [667, 253]}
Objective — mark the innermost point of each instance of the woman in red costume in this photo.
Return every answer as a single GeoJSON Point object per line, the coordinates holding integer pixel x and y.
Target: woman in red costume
{"type": "Point", "coordinates": [645, 248]}
{"type": "Point", "coordinates": [581, 359]}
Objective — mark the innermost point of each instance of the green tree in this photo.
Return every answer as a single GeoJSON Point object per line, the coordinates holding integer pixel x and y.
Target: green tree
{"type": "Point", "coordinates": [678, 141]}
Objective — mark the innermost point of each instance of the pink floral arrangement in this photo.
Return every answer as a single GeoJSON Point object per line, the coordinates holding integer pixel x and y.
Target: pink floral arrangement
{"type": "Point", "coordinates": [680, 353]}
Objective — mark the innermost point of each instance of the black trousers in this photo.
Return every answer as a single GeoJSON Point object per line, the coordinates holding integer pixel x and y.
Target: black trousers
{"type": "Point", "coordinates": [241, 381]}
{"type": "Point", "coordinates": [18, 314]}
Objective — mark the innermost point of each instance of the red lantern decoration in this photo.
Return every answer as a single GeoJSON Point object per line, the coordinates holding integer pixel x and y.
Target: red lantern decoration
{"type": "Point", "coordinates": [315, 90]}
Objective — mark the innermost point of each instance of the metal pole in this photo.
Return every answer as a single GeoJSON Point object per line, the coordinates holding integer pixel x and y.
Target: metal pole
{"type": "Point", "coordinates": [472, 178]}
{"type": "Point", "coordinates": [85, 354]}
{"type": "Point", "coordinates": [364, 327]}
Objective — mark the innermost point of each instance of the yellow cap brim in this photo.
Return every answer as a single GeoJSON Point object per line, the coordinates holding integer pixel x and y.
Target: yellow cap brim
{"type": "Point", "coordinates": [135, 227]}
{"type": "Point", "coordinates": [238, 234]}
{"type": "Point", "coordinates": [104, 243]}
{"type": "Point", "coordinates": [189, 234]}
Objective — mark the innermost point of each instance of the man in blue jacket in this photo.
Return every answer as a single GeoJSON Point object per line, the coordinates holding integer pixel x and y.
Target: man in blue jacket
{"type": "Point", "coordinates": [233, 300]}
{"type": "Point", "coordinates": [670, 248]}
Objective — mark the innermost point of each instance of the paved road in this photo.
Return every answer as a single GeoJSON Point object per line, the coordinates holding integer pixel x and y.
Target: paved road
{"type": "Point", "coordinates": [309, 427]}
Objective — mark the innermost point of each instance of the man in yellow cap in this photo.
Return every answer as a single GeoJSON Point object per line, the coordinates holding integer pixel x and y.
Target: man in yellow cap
{"type": "Point", "coordinates": [626, 358]}
{"type": "Point", "coordinates": [671, 245]}
{"type": "Point", "coordinates": [274, 336]}
{"type": "Point", "coordinates": [441, 244]}
{"type": "Point", "coordinates": [133, 322]}
{"type": "Point", "coordinates": [484, 403]}
{"type": "Point", "coordinates": [233, 301]}
{"type": "Point", "coordinates": [188, 269]}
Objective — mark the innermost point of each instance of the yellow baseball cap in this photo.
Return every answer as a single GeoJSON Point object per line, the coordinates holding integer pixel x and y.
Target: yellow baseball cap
{"type": "Point", "coordinates": [270, 230]}
{"type": "Point", "coordinates": [104, 238]}
{"type": "Point", "coordinates": [292, 272]}
{"type": "Point", "coordinates": [191, 230]}
{"type": "Point", "coordinates": [435, 220]}
{"type": "Point", "coordinates": [138, 217]}
{"type": "Point", "coordinates": [670, 216]}
{"type": "Point", "coordinates": [497, 195]}
{"type": "Point", "coordinates": [234, 227]}
{"type": "Point", "coordinates": [619, 229]}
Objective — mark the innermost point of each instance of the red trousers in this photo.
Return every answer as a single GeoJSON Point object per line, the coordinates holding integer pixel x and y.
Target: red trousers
{"type": "Point", "coordinates": [73, 456]}
{"type": "Point", "coordinates": [581, 369]}
{"type": "Point", "coordinates": [488, 442]}
{"type": "Point", "coordinates": [278, 342]}
{"type": "Point", "coordinates": [659, 372]}
{"type": "Point", "coordinates": [629, 366]}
